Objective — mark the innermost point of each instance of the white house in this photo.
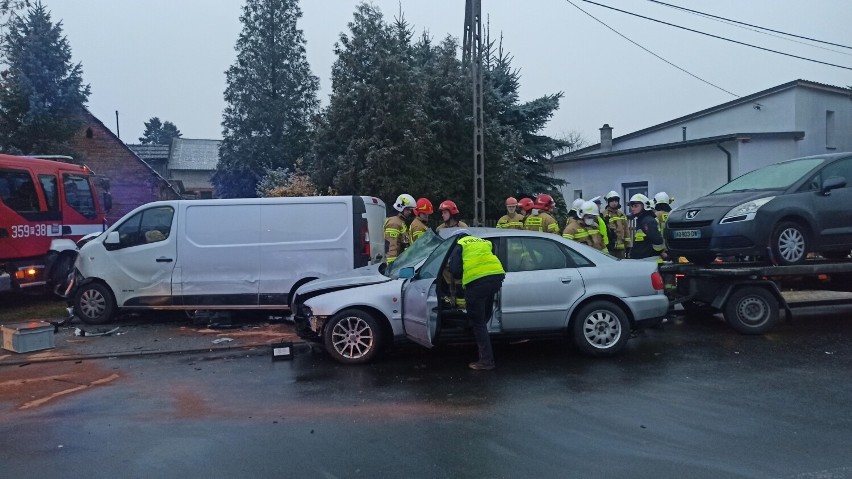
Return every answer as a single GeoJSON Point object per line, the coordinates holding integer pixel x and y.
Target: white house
{"type": "Point", "coordinates": [693, 155]}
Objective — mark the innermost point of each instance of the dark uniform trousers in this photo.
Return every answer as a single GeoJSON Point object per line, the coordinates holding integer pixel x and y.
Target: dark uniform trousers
{"type": "Point", "coordinates": [479, 295]}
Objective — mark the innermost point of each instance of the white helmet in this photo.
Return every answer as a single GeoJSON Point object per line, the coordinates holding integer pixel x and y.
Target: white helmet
{"type": "Point", "coordinates": [589, 208]}
{"type": "Point", "coordinates": [577, 204]}
{"type": "Point", "coordinates": [662, 198]}
{"type": "Point", "coordinates": [611, 195]}
{"type": "Point", "coordinates": [404, 201]}
{"type": "Point", "coordinates": [640, 198]}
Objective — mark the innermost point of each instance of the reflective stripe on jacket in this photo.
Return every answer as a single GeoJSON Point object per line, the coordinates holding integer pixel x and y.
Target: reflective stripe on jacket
{"type": "Point", "coordinates": [513, 221]}
{"type": "Point", "coordinates": [477, 259]}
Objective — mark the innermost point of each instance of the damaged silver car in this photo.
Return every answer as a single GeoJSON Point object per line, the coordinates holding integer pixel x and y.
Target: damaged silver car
{"type": "Point", "coordinates": [553, 288]}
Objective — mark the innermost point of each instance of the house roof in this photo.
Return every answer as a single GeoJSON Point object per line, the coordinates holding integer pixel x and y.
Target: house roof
{"type": "Point", "coordinates": [109, 132]}
{"type": "Point", "coordinates": [151, 152]}
{"type": "Point", "coordinates": [190, 154]}
{"type": "Point", "coordinates": [712, 140]}
{"type": "Point", "coordinates": [739, 101]}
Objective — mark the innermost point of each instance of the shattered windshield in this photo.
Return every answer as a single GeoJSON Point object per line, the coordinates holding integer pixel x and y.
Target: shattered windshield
{"type": "Point", "coordinates": [773, 177]}
{"type": "Point", "coordinates": [414, 254]}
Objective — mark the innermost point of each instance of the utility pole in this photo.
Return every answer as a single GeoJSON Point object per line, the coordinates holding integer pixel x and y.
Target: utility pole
{"type": "Point", "coordinates": [472, 58]}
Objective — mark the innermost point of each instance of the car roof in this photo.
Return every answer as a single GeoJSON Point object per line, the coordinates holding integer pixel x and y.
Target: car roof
{"type": "Point", "coordinates": [828, 156]}
{"type": "Point", "coordinates": [494, 232]}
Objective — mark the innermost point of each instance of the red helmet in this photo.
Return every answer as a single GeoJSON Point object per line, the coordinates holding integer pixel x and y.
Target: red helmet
{"type": "Point", "coordinates": [526, 203]}
{"type": "Point", "coordinates": [449, 206]}
{"type": "Point", "coordinates": [511, 201]}
{"type": "Point", "coordinates": [423, 206]}
{"type": "Point", "coordinates": [542, 201]}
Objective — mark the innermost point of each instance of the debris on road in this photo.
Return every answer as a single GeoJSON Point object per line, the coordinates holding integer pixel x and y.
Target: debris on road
{"type": "Point", "coordinates": [222, 340]}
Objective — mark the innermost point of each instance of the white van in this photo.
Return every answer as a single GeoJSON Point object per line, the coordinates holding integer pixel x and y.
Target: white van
{"type": "Point", "coordinates": [250, 253]}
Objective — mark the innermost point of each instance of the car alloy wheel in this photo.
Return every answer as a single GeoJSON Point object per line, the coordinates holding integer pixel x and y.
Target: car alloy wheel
{"type": "Point", "coordinates": [601, 328]}
{"type": "Point", "coordinates": [352, 337]}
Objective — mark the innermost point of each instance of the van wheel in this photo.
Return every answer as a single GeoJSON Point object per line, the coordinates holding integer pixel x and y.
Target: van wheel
{"type": "Point", "coordinates": [94, 303]}
{"type": "Point", "coordinates": [353, 337]}
{"type": "Point", "coordinates": [59, 274]}
{"type": "Point", "coordinates": [601, 329]}
{"type": "Point", "coordinates": [789, 243]}
{"type": "Point", "coordinates": [752, 310]}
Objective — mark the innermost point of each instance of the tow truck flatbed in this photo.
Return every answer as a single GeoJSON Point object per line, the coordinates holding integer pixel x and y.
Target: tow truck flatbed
{"type": "Point", "coordinates": [751, 295]}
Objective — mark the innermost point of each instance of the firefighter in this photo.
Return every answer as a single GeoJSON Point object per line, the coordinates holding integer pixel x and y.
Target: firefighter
{"type": "Point", "coordinates": [526, 205]}
{"type": "Point", "coordinates": [598, 202]}
{"type": "Point", "coordinates": [592, 222]}
{"type": "Point", "coordinates": [512, 219]}
{"type": "Point", "coordinates": [450, 216]}
{"type": "Point", "coordinates": [575, 228]}
{"type": "Point", "coordinates": [647, 241]}
{"type": "Point", "coordinates": [662, 206]}
{"type": "Point", "coordinates": [544, 204]}
{"type": "Point", "coordinates": [616, 223]}
{"type": "Point", "coordinates": [396, 227]}
{"type": "Point", "coordinates": [421, 221]}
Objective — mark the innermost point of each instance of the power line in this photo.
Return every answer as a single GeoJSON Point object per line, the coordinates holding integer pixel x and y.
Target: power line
{"type": "Point", "coordinates": [750, 25]}
{"type": "Point", "coordinates": [717, 36]}
{"type": "Point", "coordinates": [649, 51]}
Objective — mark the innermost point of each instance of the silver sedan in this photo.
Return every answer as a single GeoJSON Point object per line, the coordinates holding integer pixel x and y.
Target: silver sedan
{"type": "Point", "coordinates": [553, 287]}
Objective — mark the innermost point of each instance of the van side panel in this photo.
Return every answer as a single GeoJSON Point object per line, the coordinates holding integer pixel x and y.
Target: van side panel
{"type": "Point", "coordinates": [302, 240]}
{"type": "Point", "coordinates": [219, 254]}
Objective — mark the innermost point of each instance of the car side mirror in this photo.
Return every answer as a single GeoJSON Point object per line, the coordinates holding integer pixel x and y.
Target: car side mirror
{"type": "Point", "coordinates": [832, 183]}
{"type": "Point", "coordinates": [107, 202]}
{"type": "Point", "coordinates": [112, 238]}
{"type": "Point", "coordinates": [407, 272]}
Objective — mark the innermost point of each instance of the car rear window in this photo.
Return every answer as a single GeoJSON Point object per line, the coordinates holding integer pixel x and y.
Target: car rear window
{"type": "Point", "coordinates": [773, 177]}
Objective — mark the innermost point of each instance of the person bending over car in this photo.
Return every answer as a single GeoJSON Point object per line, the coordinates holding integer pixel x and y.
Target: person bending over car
{"type": "Point", "coordinates": [482, 277]}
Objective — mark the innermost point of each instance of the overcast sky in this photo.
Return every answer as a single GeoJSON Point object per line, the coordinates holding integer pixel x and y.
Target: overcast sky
{"type": "Point", "coordinates": [167, 58]}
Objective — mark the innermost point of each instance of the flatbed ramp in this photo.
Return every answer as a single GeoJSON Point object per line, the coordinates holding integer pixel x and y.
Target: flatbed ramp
{"type": "Point", "coordinates": [750, 296]}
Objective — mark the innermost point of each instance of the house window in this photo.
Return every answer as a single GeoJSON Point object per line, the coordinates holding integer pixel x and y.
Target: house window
{"type": "Point", "coordinates": [578, 194]}
{"type": "Point", "coordinates": [829, 130]}
{"type": "Point", "coordinates": [630, 189]}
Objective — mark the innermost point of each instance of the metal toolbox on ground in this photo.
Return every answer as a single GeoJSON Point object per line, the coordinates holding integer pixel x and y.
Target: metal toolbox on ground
{"type": "Point", "coordinates": [27, 337]}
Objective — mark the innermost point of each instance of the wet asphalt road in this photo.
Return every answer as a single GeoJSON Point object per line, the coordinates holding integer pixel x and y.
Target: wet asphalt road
{"type": "Point", "coordinates": [692, 400]}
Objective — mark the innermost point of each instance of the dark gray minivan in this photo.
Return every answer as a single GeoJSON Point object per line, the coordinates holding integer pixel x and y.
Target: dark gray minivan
{"type": "Point", "coordinates": [779, 213]}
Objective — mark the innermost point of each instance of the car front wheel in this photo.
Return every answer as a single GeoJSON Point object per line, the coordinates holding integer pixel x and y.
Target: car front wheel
{"type": "Point", "coordinates": [353, 337]}
{"type": "Point", "coordinates": [601, 328]}
{"type": "Point", "coordinates": [789, 243]}
{"type": "Point", "coordinates": [94, 303]}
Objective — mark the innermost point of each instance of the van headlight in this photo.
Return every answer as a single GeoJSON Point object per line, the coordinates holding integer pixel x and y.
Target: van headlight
{"type": "Point", "coordinates": [745, 211]}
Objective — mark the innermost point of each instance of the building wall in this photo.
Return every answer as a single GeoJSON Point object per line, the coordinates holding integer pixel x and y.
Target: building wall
{"type": "Point", "coordinates": [194, 179]}
{"type": "Point", "coordinates": [132, 182]}
{"type": "Point", "coordinates": [811, 108]}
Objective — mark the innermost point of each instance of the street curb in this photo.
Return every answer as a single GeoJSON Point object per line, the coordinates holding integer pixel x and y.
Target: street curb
{"type": "Point", "coordinates": [82, 357]}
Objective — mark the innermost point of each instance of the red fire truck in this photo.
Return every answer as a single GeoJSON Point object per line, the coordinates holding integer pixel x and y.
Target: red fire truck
{"type": "Point", "coordinates": [46, 205]}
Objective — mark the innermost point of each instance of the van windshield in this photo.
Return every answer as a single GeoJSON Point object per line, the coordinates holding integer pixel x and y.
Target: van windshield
{"type": "Point", "coordinates": [414, 254]}
{"type": "Point", "coordinates": [773, 177]}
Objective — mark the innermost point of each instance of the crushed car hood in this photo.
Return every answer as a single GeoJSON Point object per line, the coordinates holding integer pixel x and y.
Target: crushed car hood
{"type": "Point", "coordinates": [356, 277]}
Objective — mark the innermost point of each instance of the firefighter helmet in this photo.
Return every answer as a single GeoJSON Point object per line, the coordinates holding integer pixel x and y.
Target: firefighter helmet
{"type": "Point", "coordinates": [640, 198]}
{"type": "Point", "coordinates": [612, 195]}
{"type": "Point", "coordinates": [449, 206]}
{"type": "Point", "coordinates": [589, 208]}
{"type": "Point", "coordinates": [424, 206]}
{"type": "Point", "coordinates": [543, 200]}
{"type": "Point", "coordinates": [577, 204]}
{"type": "Point", "coordinates": [662, 198]}
{"type": "Point", "coordinates": [526, 203]}
{"type": "Point", "coordinates": [404, 201]}
{"type": "Point", "coordinates": [511, 201]}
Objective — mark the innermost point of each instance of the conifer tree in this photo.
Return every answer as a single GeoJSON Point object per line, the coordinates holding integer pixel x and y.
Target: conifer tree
{"type": "Point", "coordinates": [159, 133]}
{"type": "Point", "coordinates": [42, 95]}
{"type": "Point", "coordinates": [271, 99]}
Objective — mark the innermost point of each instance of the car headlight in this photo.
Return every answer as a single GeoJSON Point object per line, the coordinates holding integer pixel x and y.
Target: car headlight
{"type": "Point", "coordinates": [745, 211]}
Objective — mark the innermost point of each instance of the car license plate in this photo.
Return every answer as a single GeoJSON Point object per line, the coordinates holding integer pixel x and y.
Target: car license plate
{"type": "Point", "coordinates": [681, 234]}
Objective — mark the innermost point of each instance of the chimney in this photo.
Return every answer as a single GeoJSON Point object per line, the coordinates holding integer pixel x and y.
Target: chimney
{"type": "Point", "coordinates": [606, 138]}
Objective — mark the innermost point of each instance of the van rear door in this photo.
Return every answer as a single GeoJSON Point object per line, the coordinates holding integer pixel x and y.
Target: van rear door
{"type": "Point", "coordinates": [375, 215]}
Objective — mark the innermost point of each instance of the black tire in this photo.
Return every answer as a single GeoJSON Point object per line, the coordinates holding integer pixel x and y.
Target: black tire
{"type": "Point", "coordinates": [700, 259]}
{"type": "Point", "coordinates": [790, 243]}
{"type": "Point", "coordinates": [94, 303]}
{"type": "Point", "coordinates": [601, 329]}
{"type": "Point", "coordinates": [752, 310]}
{"type": "Point", "coordinates": [353, 337]}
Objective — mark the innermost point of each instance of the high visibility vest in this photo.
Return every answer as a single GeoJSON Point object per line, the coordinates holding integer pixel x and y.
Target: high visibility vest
{"type": "Point", "coordinates": [477, 259]}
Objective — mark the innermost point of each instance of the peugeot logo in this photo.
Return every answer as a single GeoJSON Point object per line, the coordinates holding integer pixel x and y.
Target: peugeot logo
{"type": "Point", "coordinates": [691, 214]}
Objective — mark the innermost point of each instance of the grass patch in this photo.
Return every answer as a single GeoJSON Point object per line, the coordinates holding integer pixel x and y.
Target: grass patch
{"type": "Point", "coordinates": [18, 307]}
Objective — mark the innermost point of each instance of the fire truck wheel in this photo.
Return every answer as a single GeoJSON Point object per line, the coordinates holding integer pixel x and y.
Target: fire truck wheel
{"type": "Point", "coordinates": [94, 303]}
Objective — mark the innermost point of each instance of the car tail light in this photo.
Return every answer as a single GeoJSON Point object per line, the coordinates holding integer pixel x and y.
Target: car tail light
{"type": "Point", "coordinates": [365, 234]}
{"type": "Point", "coordinates": [657, 281]}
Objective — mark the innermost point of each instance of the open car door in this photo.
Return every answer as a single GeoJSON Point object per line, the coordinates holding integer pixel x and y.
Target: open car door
{"type": "Point", "coordinates": [420, 297]}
